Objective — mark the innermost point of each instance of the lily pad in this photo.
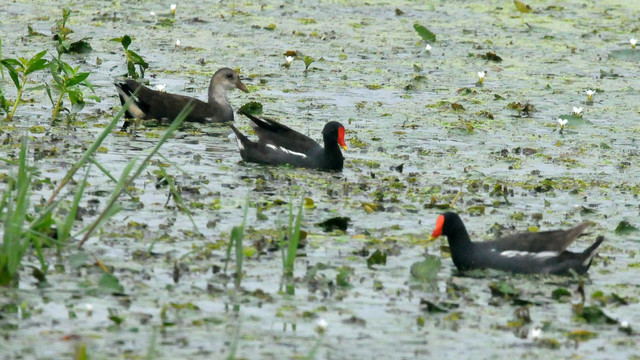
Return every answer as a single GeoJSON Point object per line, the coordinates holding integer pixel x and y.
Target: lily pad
{"type": "Point", "coordinates": [377, 258]}
{"type": "Point", "coordinates": [431, 307]}
{"type": "Point", "coordinates": [522, 7]}
{"type": "Point", "coordinates": [625, 228]}
{"type": "Point", "coordinates": [427, 269]}
{"type": "Point", "coordinates": [594, 315]}
{"type": "Point", "coordinates": [424, 33]}
{"type": "Point", "coordinates": [335, 223]}
{"type": "Point", "coordinates": [109, 283]}
{"type": "Point", "coordinates": [491, 56]}
{"type": "Point", "coordinates": [625, 55]}
{"type": "Point", "coordinates": [503, 289]}
{"type": "Point", "coordinates": [252, 107]}
{"type": "Point", "coordinates": [574, 120]}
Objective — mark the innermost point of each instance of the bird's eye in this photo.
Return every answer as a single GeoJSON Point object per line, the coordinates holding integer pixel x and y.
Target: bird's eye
{"type": "Point", "coordinates": [229, 76]}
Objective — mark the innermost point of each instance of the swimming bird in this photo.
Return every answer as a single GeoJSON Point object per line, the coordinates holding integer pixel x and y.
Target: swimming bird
{"type": "Point", "coordinates": [529, 253]}
{"type": "Point", "coordinates": [280, 145]}
{"type": "Point", "coordinates": [152, 104]}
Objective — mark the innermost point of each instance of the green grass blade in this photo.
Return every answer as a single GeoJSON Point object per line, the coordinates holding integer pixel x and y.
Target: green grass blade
{"type": "Point", "coordinates": [127, 181]}
{"type": "Point", "coordinates": [294, 239]}
{"type": "Point", "coordinates": [91, 150]}
{"type": "Point", "coordinates": [71, 217]}
{"type": "Point", "coordinates": [177, 198]}
{"type": "Point", "coordinates": [106, 172]}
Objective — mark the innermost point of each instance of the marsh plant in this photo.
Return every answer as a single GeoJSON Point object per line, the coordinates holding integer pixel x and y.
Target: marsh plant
{"type": "Point", "coordinates": [69, 81]}
{"type": "Point", "coordinates": [19, 71]}
{"type": "Point", "coordinates": [27, 231]}
{"type": "Point", "coordinates": [61, 32]}
{"type": "Point", "coordinates": [235, 241]}
{"type": "Point", "coordinates": [133, 58]}
{"type": "Point", "coordinates": [290, 248]}
{"type": "Point", "coordinates": [14, 206]}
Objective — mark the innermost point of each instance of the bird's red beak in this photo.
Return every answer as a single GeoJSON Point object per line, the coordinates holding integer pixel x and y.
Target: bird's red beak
{"type": "Point", "coordinates": [438, 230]}
{"type": "Point", "coordinates": [341, 139]}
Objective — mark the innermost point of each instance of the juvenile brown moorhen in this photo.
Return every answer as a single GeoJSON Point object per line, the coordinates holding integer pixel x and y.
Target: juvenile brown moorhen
{"type": "Point", "coordinates": [279, 145]}
{"type": "Point", "coordinates": [527, 253]}
{"type": "Point", "coordinates": [152, 104]}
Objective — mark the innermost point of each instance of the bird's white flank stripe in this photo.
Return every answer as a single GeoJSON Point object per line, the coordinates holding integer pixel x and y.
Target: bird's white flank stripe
{"type": "Point", "coordinates": [537, 255]}
{"type": "Point", "coordinates": [287, 151]}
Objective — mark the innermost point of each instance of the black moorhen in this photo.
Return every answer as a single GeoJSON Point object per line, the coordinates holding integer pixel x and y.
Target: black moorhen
{"type": "Point", "coordinates": [527, 253]}
{"type": "Point", "coordinates": [152, 104]}
{"type": "Point", "coordinates": [279, 145]}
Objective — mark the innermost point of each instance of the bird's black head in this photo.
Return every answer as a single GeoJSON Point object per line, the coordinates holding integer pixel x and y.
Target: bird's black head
{"type": "Point", "coordinates": [334, 132]}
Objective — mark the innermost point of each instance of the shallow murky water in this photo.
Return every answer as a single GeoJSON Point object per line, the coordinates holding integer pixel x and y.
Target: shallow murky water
{"type": "Point", "coordinates": [373, 75]}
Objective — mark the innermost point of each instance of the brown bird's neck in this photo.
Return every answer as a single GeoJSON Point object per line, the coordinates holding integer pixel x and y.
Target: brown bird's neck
{"type": "Point", "coordinates": [217, 94]}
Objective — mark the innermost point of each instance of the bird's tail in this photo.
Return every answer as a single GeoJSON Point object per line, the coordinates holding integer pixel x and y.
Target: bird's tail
{"type": "Point", "coordinates": [590, 252]}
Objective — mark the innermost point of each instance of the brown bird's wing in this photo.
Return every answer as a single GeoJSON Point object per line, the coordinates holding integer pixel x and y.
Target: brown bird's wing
{"type": "Point", "coordinates": [554, 240]}
{"type": "Point", "coordinates": [274, 133]}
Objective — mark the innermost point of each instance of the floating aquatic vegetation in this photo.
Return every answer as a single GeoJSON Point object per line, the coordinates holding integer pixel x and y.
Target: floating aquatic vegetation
{"type": "Point", "coordinates": [425, 33]}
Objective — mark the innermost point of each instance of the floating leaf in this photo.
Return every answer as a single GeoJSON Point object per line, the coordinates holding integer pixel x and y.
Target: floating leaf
{"type": "Point", "coordinates": [339, 223]}
{"type": "Point", "coordinates": [561, 294]}
{"type": "Point", "coordinates": [503, 289]}
{"type": "Point", "coordinates": [456, 106]}
{"type": "Point", "coordinates": [309, 203]}
{"type": "Point", "coordinates": [427, 269]}
{"type": "Point", "coordinates": [81, 46]}
{"type": "Point", "coordinates": [249, 251]}
{"type": "Point", "coordinates": [342, 277]}
{"type": "Point", "coordinates": [77, 260]}
{"type": "Point", "coordinates": [625, 55]}
{"type": "Point", "coordinates": [522, 7]}
{"type": "Point", "coordinates": [574, 120]}
{"type": "Point", "coordinates": [306, 21]}
{"type": "Point", "coordinates": [594, 315]}
{"type": "Point", "coordinates": [115, 316]}
{"type": "Point", "coordinates": [581, 335]}
{"type": "Point", "coordinates": [369, 207]}
{"type": "Point", "coordinates": [491, 56]}
{"type": "Point", "coordinates": [252, 107]}
{"type": "Point", "coordinates": [424, 33]}
{"type": "Point", "coordinates": [625, 228]}
{"type": "Point", "coordinates": [377, 258]}
{"type": "Point", "coordinates": [109, 283]}
{"type": "Point", "coordinates": [431, 307]}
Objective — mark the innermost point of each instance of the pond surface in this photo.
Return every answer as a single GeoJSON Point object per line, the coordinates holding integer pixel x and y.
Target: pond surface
{"type": "Point", "coordinates": [373, 74]}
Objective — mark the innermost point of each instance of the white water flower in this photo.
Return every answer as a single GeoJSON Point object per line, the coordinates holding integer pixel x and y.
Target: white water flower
{"type": "Point", "coordinates": [535, 333]}
{"type": "Point", "coordinates": [624, 324]}
{"type": "Point", "coordinates": [322, 323]}
{"type": "Point", "coordinates": [590, 94]}
{"type": "Point", "coordinates": [633, 42]}
{"type": "Point", "coordinates": [562, 122]}
{"type": "Point", "coordinates": [178, 42]}
{"type": "Point", "coordinates": [89, 308]}
{"type": "Point", "coordinates": [577, 111]}
{"type": "Point", "coordinates": [289, 59]}
{"type": "Point", "coordinates": [321, 326]}
{"type": "Point", "coordinates": [481, 75]}
{"type": "Point", "coordinates": [152, 13]}
{"type": "Point", "coordinates": [428, 47]}
{"type": "Point", "coordinates": [161, 87]}
{"type": "Point", "coordinates": [173, 9]}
